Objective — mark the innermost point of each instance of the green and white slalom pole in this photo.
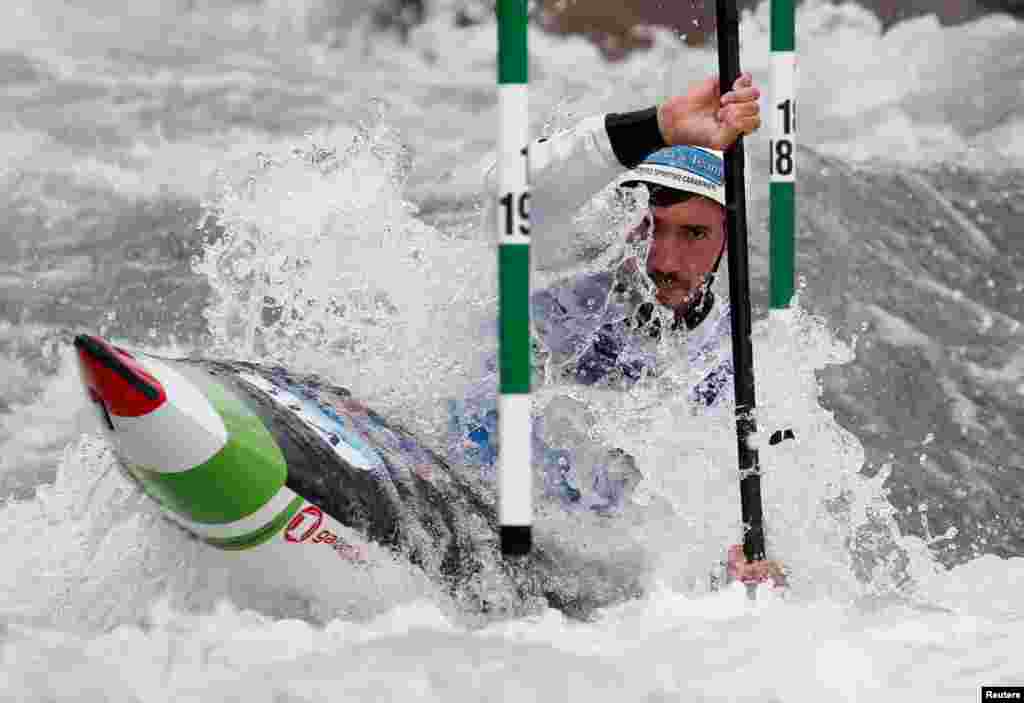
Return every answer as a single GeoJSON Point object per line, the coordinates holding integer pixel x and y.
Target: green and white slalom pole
{"type": "Point", "coordinates": [782, 220]}
{"type": "Point", "coordinates": [515, 475]}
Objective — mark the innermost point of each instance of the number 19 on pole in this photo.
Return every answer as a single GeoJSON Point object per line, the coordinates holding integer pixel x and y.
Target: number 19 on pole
{"type": "Point", "coordinates": [517, 214]}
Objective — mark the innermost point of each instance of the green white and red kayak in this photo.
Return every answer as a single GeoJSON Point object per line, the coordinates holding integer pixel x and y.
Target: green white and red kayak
{"type": "Point", "coordinates": [293, 476]}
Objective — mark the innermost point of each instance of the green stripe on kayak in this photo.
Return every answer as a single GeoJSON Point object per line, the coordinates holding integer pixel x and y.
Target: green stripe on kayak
{"type": "Point", "coordinates": [258, 537]}
{"type": "Point", "coordinates": [238, 480]}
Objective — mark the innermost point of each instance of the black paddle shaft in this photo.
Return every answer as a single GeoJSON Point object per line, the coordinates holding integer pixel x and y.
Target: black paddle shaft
{"type": "Point", "coordinates": [739, 293]}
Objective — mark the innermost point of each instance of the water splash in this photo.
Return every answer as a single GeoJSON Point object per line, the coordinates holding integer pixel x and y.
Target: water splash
{"type": "Point", "coordinates": [286, 272]}
{"type": "Point", "coordinates": [323, 266]}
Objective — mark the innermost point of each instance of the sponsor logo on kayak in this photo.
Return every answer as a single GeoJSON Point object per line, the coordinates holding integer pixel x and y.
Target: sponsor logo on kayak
{"type": "Point", "coordinates": [322, 418]}
{"type": "Point", "coordinates": [306, 526]}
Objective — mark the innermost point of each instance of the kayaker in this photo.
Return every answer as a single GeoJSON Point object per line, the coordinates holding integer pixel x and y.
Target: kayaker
{"type": "Point", "coordinates": [602, 328]}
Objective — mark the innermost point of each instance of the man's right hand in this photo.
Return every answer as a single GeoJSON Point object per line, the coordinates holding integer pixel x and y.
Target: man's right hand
{"type": "Point", "coordinates": [703, 117]}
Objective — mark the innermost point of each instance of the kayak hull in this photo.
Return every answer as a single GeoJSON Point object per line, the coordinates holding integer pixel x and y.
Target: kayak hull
{"type": "Point", "coordinates": [303, 484]}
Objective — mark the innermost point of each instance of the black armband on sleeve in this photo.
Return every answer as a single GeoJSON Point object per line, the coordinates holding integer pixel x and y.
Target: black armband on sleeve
{"type": "Point", "coordinates": [634, 135]}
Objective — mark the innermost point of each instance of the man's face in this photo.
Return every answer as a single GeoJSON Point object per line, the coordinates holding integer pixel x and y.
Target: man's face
{"type": "Point", "coordinates": [688, 237]}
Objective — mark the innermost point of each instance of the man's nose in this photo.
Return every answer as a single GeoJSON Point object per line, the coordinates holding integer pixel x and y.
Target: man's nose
{"type": "Point", "coordinates": [666, 259]}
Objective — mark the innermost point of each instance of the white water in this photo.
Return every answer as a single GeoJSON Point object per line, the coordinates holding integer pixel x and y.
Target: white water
{"type": "Point", "coordinates": [101, 599]}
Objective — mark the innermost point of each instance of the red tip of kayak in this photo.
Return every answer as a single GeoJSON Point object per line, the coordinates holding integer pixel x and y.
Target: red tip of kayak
{"type": "Point", "coordinates": [113, 376]}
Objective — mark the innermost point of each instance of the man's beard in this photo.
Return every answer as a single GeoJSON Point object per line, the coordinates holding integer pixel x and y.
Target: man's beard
{"type": "Point", "coordinates": [695, 306]}
{"type": "Point", "coordinates": [638, 287]}
{"type": "Point", "coordinates": [677, 297]}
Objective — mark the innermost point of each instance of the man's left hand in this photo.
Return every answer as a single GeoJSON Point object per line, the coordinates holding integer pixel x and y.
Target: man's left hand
{"type": "Point", "coordinates": [704, 117]}
{"type": "Point", "coordinates": [739, 569]}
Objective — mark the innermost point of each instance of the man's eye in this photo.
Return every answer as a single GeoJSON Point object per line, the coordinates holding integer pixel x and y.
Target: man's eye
{"type": "Point", "coordinates": [695, 233]}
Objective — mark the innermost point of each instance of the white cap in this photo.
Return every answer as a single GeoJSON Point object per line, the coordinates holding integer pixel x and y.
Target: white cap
{"type": "Point", "coordinates": [688, 168]}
